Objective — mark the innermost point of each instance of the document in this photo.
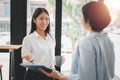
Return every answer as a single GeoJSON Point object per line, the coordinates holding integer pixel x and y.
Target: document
{"type": "Point", "coordinates": [36, 67]}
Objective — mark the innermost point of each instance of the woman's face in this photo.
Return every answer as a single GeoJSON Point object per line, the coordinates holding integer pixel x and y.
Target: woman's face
{"type": "Point", "coordinates": [42, 21]}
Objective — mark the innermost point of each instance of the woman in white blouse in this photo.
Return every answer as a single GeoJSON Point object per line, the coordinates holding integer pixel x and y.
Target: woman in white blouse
{"type": "Point", "coordinates": [38, 47]}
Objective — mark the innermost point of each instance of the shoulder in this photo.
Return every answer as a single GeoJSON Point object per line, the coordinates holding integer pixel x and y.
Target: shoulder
{"type": "Point", "coordinates": [28, 37]}
{"type": "Point", "coordinates": [88, 43]}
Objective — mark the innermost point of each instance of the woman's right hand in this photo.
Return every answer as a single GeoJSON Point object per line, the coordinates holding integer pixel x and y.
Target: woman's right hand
{"type": "Point", "coordinates": [28, 57]}
{"type": "Point", "coordinates": [55, 74]}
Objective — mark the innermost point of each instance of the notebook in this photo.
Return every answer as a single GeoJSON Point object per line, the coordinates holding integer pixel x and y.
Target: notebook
{"type": "Point", "coordinates": [36, 67]}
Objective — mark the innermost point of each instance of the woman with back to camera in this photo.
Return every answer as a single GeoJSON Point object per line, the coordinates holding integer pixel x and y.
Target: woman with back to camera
{"type": "Point", "coordinates": [38, 46]}
{"type": "Point", "coordinates": [94, 58]}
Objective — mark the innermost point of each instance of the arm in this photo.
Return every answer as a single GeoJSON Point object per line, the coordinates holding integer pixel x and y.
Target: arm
{"type": "Point", "coordinates": [55, 74]}
{"type": "Point", "coordinates": [26, 50]}
{"type": "Point", "coordinates": [29, 57]}
{"type": "Point", "coordinates": [84, 66]}
{"type": "Point", "coordinates": [86, 61]}
{"type": "Point", "coordinates": [58, 76]}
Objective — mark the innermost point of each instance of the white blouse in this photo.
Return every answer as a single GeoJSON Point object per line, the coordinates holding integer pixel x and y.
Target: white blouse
{"type": "Point", "coordinates": [42, 50]}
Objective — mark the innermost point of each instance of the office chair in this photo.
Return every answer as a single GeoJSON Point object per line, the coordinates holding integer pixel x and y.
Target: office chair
{"type": "Point", "coordinates": [1, 72]}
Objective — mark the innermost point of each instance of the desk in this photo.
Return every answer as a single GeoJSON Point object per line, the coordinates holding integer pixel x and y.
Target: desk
{"type": "Point", "coordinates": [11, 49]}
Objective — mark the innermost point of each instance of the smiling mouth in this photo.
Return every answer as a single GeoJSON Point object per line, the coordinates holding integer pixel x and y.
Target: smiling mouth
{"type": "Point", "coordinates": [43, 27]}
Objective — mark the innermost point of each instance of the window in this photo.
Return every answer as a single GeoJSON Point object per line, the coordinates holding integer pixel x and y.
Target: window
{"type": "Point", "coordinates": [5, 35]}
{"type": "Point", "coordinates": [73, 32]}
{"type": "Point", "coordinates": [114, 30]}
{"type": "Point", "coordinates": [6, 9]}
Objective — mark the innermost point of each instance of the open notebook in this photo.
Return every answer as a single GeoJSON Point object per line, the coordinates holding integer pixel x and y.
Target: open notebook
{"type": "Point", "coordinates": [36, 67]}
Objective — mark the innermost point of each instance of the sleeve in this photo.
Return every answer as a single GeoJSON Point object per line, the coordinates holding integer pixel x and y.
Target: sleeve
{"type": "Point", "coordinates": [26, 48]}
{"type": "Point", "coordinates": [86, 65]}
{"type": "Point", "coordinates": [74, 68]}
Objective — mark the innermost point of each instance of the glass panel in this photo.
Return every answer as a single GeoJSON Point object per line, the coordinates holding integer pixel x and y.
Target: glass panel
{"type": "Point", "coordinates": [5, 35]}
{"type": "Point", "coordinates": [4, 22]}
{"type": "Point", "coordinates": [114, 30]}
{"type": "Point", "coordinates": [4, 60]}
{"type": "Point", "coordinates": [73, 32]}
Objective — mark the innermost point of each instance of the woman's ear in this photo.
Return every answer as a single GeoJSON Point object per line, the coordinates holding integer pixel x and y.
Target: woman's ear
{"type": "Point", "coordinates": [88, 24]}
{"type": "Point", "coordinates": [34, 20]}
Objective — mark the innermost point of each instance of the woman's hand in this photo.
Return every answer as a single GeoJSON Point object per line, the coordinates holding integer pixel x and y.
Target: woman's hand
{"type": "Point", "coordinates": [54, 73]}
{"type": "Point", "coordinates": [28, 57]}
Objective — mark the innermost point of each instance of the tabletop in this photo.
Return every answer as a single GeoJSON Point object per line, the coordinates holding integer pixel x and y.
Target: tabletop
{"type": "Point", "coordinates": [10, 47]}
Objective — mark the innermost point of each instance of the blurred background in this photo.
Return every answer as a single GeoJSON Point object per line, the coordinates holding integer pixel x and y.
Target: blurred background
{"type": "Point", "coordinates": [72, 31]}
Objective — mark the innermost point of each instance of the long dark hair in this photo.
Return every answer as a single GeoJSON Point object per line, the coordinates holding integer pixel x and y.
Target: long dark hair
{"type": "Point", "coordinates": [37, 12]}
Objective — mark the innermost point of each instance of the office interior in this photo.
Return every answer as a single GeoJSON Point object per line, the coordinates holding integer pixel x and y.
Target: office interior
{"type": "Point", "coordinates": [66, 27]}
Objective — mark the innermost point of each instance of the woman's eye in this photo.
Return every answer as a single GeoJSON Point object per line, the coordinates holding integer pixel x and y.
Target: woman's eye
{"type": "Point", "coordinates": [47, 18]}
{"type": "Point", "coordinates": [44, 18]}
{"type": "Point", "coordinates": [41, 18]}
